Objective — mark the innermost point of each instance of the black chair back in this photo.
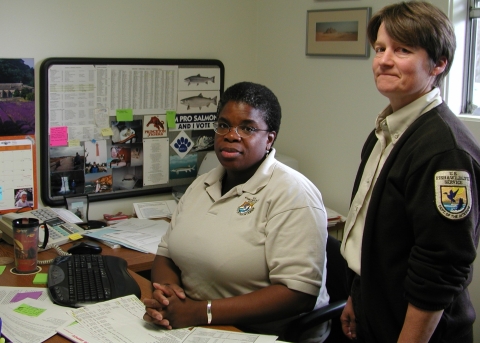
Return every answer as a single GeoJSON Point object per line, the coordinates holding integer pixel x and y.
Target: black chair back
{"type": "Point", "coordinates": [336, 287]}
{"type": "Point", "coordinates": [336, 271]}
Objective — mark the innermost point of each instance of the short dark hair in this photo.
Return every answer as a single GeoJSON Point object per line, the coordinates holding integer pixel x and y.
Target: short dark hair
{"type": "Point", "coordinates": [258, 97]}
{"type": "Point", "coordinates": [417, 24]}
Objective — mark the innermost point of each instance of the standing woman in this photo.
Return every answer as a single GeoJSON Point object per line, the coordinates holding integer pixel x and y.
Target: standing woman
{"type": "Point", "coordinates": [411, 234]}
{"type": "Point", "coordinates": [246, 245]}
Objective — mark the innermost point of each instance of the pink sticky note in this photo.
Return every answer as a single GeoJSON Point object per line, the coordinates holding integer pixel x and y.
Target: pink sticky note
{"type": "Point", "coordinates": [59, 136]}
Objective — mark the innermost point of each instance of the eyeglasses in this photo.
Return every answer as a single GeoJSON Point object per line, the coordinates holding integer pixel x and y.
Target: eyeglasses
{"type": "Point", "coordinates": [243, 131]}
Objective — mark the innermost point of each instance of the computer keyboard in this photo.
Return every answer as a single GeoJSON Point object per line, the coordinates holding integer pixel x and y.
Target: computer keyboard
{"type": "Point", "coordinates": [79, 280]}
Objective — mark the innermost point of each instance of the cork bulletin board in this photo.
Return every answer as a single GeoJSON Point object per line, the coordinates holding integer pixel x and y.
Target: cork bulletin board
{"type": "Point", "coordinates": [115, 128]}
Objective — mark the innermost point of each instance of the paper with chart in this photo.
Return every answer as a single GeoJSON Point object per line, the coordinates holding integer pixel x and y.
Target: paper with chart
{"type": "Point", "coordinates": [116, 320]}
{"type": "Point", "coordinates": [120, 321]}
{"type": "Point", "coordinates": [30, 317]}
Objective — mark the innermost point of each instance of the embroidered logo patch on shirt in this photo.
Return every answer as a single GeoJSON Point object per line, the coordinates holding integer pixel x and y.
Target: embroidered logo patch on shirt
{"type": "Point", "coordinates": [247, 206]}
{"type": "Point", "coordinates": [453, 193]}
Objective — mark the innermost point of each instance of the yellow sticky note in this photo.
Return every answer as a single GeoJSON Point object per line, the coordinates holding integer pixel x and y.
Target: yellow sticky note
{"type": "Point", "coordinates": [2, 269]}
{"type": "Point", "coordinates": [75, 236]}
{"type": "Point", "coordinates": [125, 114]}
{"type": "Point", "coordinates": [171, 119]}
{"type": "Point", "coordinates": [107, 131]}
{"type": "Point", "coordinates": [73, 142]}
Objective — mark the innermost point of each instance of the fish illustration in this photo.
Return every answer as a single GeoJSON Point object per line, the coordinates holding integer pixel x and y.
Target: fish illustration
{"type": "Point", "coordinates": [183, 169]}
{"type": "Point", "coordinates": [203, 142]}
{"type": "Point", "coordinates": [199, 79]}
{"type": "Point", "coordinates": [198, 101]}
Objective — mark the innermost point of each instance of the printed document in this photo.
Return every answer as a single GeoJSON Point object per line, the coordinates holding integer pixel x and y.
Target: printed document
{"type": "Point", "coordinates": [137, 234]}
{"type": "Point", "coordinates": [121, 321]}
{"type": "Point", "coordinates": [155, 209]}
{"type": "Point", "coordinates": [32, 321]}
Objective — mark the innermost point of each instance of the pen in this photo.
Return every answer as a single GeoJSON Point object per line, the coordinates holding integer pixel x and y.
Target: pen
{"type": "Point", "coordinates": [2, 340]}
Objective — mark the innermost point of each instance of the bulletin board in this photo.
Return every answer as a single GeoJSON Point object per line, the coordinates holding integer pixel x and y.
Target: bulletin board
{"type": "Point", "coordinates": [114, 128]}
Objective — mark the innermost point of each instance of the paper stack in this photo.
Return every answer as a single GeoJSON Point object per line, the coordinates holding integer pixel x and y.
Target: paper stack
{"type": "Point", "coordinates": [154, 209]}
{"type": "Point", "coordinates": [120, 320]}
{"type": "Point", "coordinates": [137, 234]}
{"type": "Point", "coordinates": [334, 217]}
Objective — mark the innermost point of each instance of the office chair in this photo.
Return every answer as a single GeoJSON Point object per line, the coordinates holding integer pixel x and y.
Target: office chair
{"type": "Point", "coordinates": [336, 288]}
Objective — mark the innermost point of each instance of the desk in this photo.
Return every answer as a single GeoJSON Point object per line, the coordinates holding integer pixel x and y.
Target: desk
{"type": "Point", "coordinates": [337, 230]}
{"type": "Point", "coordinates": [136, 261]}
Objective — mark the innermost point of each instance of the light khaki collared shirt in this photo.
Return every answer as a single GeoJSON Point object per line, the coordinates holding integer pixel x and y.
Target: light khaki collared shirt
{"type": "Point", "coordinates": [389, 127]}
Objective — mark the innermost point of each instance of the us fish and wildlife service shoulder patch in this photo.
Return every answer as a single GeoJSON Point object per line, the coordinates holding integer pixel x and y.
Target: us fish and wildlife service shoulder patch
{"type": "Point", "coordinates": [453, 194]}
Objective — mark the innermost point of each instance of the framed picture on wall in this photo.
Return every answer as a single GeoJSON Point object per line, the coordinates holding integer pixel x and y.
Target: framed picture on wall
{"type": "Point", "coordinates": [338, 32]}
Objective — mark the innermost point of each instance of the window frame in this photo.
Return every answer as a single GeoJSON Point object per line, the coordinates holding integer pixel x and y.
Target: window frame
{"type": "Point", "coordinates": [470, 51]}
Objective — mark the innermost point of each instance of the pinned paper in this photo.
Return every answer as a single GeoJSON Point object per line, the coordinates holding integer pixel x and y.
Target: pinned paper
{"type": "Point", "coordinates": [59, 136]}
{"type": "Point", "coordinates": [125, 114]}
{"type": "Point", "coordinates": [73, 142]}
{"type": "Point", "coordinates": [171, 119]}
{"type": "Point", "coordinates": [107, 131]}
{"type": "Point", "coordinates": [101, 117]}
{"type": "Point", "coordinates": [182, 144]}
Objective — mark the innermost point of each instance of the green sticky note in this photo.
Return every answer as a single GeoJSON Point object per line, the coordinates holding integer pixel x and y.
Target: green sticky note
{"type": "Point", "coordinates": [2, 269]}
{"type": "Point", "coordinates": [40, 279]}
{"type": "Point", "coordinates": [171, 119]}
{"type": "Point", "coordinates": [125, 114]}
{"type": "Point", "coordinates": [29, 310]}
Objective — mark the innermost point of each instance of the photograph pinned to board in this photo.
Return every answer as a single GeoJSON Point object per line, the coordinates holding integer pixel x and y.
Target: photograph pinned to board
{"type": "Point", "coordinates": [155, 126]}
{"type": "Point", "coordinates": [98, 182]}
{"type": "Point", "coordinates": [183, 167]}
{"type": "Point", "coordinates": [338, 32]}
{"type": "Point", "coordinates": [126, 131]}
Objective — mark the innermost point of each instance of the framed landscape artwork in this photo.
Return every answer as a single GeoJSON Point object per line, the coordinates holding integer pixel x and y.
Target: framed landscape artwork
{"type": "Point", "coordinates": [338, 32]}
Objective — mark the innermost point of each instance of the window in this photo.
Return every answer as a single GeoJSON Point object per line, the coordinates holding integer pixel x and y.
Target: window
{"type": "Point", "coordinates": [472, 70]}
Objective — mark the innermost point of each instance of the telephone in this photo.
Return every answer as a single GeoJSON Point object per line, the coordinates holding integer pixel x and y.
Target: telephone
{"type": "Point", "coordinates": [60, 223]}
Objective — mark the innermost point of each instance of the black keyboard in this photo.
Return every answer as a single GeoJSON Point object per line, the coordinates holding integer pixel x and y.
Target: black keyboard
{"type": "Point", "coordinates": [79, 280]}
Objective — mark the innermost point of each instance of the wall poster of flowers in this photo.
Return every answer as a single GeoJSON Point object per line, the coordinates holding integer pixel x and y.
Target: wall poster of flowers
{"type": "Point", "coordinates": [17, 97]}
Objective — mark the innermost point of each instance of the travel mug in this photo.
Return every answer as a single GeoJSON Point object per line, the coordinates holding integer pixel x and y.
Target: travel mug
{"type": "Point", "coordinates": [26, 244]}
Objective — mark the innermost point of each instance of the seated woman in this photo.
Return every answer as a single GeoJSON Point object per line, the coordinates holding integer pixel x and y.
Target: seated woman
{"type": "Point", "coordinates": [246, 245]}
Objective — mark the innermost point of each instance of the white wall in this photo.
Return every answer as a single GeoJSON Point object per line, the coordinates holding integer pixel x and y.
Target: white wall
{"type": "Point", "coordinates": [215, 29]}
{"type": "Point", "coordinates": [329, 103]}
